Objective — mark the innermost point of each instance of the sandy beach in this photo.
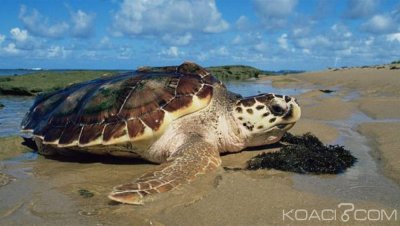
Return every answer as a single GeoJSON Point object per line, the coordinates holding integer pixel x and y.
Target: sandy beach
{"type": "Point", "coordinates": [362, 113]}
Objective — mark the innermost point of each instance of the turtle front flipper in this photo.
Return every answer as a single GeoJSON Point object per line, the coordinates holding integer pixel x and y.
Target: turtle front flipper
{"type": "Point", "coordinates": [191, 159]}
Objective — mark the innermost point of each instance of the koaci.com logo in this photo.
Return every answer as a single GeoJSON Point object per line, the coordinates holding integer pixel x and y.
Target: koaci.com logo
{"type": "Point", "coordinates": [344, 212]}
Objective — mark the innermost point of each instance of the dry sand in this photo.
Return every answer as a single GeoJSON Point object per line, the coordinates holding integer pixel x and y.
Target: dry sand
{"type": "Point", "coordinates": [48, 190]}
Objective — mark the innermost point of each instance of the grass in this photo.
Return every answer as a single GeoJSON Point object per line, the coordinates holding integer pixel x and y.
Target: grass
{"type": "Point", "coordinates": [45, 81]}
{"type": "Point", "coordinates": [235, 72]}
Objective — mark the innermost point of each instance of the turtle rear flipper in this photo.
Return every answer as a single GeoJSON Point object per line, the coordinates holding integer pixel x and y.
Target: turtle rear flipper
{"type": "Point", "coordinates": [191, 159]}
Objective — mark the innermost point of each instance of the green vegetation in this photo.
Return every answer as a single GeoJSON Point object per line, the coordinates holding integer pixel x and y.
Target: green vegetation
{"type": "Point", "coordinates": [45, 81]}
{"type": "Point", "coordinates": [237, 72]}
{"type": "Point", "coordinates": [396, 62]}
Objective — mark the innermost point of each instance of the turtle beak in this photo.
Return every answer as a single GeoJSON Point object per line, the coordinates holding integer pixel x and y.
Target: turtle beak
{"type": "Point", "coordinates": [293, 113]}
{"type": "Point", "coordinates": [285, 126]}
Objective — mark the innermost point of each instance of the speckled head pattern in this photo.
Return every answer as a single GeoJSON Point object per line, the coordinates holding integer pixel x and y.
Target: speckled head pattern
{"type": "Point", "coordinates": [264, 118]}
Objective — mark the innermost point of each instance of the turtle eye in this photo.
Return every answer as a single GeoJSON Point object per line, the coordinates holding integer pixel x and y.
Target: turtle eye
{"type": "Point", "coordinates": [277, 109]}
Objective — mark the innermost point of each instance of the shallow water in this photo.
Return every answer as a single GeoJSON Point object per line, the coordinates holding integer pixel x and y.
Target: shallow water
{"type": "Point", "coordinates": [14, 72]}
{"type": "Point", "coordinates": [251, 88]}
{"type": "Point", "coordinates": [13, 112]}
{"type": "Point", "coordinates": [364, 181]}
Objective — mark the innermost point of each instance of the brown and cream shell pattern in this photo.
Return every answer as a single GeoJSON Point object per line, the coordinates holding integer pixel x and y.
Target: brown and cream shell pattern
{"type": "Point", "coordinates": [134, 106]}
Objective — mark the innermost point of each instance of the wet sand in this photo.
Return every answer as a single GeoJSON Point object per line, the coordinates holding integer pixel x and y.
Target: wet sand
{"type": "Point", "coordinates": [384, 139]}
{"type": "Point", "coordinates": [46, 191]}
{"type": "Point", "coordinates": [11, 147]}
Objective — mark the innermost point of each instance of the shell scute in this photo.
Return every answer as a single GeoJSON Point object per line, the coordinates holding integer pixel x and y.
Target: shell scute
{"type": "Point", "coordinates": [153, 119]}
{"type": "Point", "coordinates": [52, 134]}
{"type": "Point", "coordinates": [102, 104]}
{"type": "Point", "coordinates": [188, 85]}
{"type": "Point", "coordinates": [70, 135]}
{"type": "Point", "coordinates": [138, 105]}
{"type": "Point", "coordinates": [60, 120]}
{"type": "Point", "coordinates": [34, 120]}
{"type": "Point", "coordinates": [91, 133]}
{"type": "Point", "coordinates": [135, 128]}
{"type": "Point", "coordinates": [114, 131]}
{"type": "Point", "coordinates": [178, 103]}
{"type": "Point", "coordinates": [205, 92]}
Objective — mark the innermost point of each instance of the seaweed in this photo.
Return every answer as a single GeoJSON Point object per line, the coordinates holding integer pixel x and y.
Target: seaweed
{"type": "Point", "coordinates": [327, 90]}
{"type": "Point", "coordinates": [305, 154]}
{"type": "Point", "coordinates": [85, 193]}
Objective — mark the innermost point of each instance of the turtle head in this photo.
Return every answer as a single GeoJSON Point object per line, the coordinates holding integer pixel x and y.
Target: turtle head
{"type": "Point", "coordinates": [264, 118]}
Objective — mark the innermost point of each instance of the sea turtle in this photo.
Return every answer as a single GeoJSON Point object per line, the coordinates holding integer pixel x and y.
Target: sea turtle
{"type": "Point", "coordinates": [181, 117]}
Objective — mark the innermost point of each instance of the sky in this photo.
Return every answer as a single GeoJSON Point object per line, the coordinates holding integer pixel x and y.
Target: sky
{"type": "Point", "coordinates": [267, 34]}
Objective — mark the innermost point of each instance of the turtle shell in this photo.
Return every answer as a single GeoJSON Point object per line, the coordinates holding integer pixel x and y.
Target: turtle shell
{"type": "Point", "coordinates": [134, 106]}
